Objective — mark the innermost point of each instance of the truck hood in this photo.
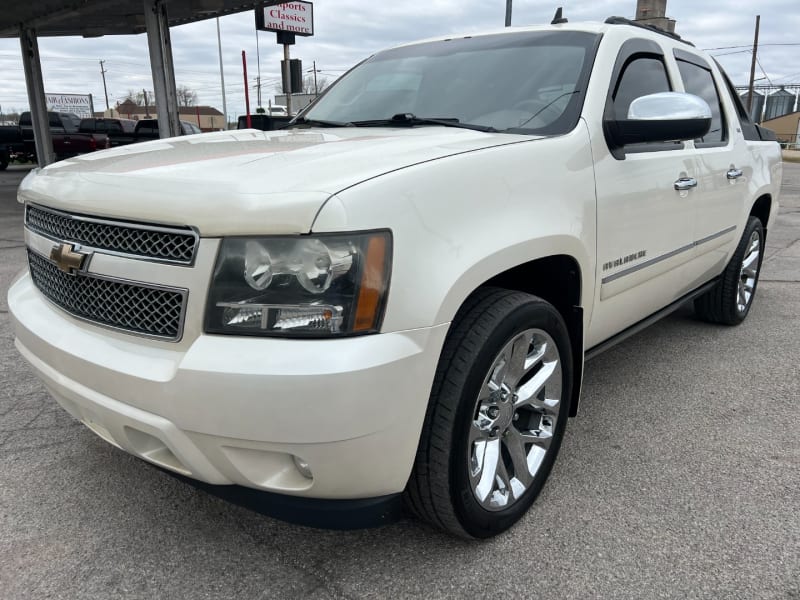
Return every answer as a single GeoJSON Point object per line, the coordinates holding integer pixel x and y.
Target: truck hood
{"type": "Point", "coordinates": [245, 181]}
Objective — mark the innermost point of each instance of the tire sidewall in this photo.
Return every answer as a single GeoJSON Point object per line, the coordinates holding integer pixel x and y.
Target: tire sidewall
{"type": "Point", "coordinates": [476, 520]}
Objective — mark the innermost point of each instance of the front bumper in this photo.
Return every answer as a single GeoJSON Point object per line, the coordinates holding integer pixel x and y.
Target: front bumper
{"type": "Point", "coordinates": [236, 410]}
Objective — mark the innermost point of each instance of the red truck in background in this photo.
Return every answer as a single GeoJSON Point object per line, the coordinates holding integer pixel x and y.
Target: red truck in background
{"type": "Point", "coordinates": [68, 141]}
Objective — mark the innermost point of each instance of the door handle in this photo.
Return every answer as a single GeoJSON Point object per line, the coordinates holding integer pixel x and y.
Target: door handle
{"type": "Point", "coordinates": [735, 173]}
{"type": "Point", "coordinates": [685, 183]}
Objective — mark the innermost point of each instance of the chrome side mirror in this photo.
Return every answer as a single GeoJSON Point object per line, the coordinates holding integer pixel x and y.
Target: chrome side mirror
{"type": "Point", "coordinates": [662, 117]}
{"type": "Point", "coordinates": [669, 106]}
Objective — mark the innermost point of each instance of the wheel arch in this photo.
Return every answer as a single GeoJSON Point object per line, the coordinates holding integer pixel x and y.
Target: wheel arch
{"type": "Point", "coordinates": [558, 280]}
{"type": "Point", "coordinates": [762, 209]}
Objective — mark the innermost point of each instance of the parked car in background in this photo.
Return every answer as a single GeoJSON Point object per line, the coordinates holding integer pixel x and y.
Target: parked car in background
{"type": "Point", "coordinates": [277, 110]}
{"type": "Point", "coordinates": [147, 129]}
{"type": "Point", "coordinates": [67, 139]}
{"type": "Point", "coordinates": [11, 144]}
{"type": "Point", "coordinates": [119, 131]}
{"type": "Point", "coordinates": [264, 122]}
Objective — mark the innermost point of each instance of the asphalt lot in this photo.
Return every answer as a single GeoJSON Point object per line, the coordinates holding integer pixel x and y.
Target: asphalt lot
{"type": "Point", "coordinates": [680, 479]}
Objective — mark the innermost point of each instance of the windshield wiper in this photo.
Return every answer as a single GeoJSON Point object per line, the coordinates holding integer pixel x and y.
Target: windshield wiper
{"type": "Point", "coordinates": [411, 120]}
{"type": "Point", "coordinates": [317, 123]}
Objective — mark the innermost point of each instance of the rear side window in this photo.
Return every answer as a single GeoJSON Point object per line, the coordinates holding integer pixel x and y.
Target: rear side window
{"type": "Point", "coordinates": [641, 76]}
{"type": "Point", "coordinates": [700, 82]}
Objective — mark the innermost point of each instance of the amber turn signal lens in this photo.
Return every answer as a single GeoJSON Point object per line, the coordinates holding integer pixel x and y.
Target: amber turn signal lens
{"type": "Point", "coordinates": [372, 288]}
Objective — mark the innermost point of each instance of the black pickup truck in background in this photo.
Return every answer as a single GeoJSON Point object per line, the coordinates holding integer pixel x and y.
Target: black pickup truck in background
{"type": "Point", "coordinates": [264, 122]}
{"type": "Point", "coordinates": [120, 132]}
{"type": "Point", "coordinates": [11, 145]}
{"type": "Point", "coordinates": [147, 129]}
{"type": "Point", "coordinates": [67, 139]}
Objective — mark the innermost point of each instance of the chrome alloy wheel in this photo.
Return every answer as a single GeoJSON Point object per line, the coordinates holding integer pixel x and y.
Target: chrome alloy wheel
{"type": "Point", "coordinates": [514, 419]}
{"type": "Point", "coordinates": [749, 272]}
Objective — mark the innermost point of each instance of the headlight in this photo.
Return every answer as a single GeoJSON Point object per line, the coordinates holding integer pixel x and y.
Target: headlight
{"type": "Point", "coordinates": [300, 286]}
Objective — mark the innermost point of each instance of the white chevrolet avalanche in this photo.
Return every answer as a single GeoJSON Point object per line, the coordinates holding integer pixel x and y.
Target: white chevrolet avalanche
{"type": "Point", "coordinates": [391, 301]}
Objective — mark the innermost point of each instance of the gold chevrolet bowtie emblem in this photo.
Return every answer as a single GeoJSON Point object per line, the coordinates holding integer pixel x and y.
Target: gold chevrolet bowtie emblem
{"type": "Point", "coordinates": [66, 258]}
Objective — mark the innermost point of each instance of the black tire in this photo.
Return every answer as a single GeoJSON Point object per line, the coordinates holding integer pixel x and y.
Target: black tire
{"type": "Point", "coordinates": [721, 304]}
{"type": "Point", "coordinates": [439, 490]}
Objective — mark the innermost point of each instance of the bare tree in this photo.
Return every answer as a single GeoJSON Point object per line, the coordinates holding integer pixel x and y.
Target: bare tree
{"type": "Point", "coordinates": [138, 98]}
{"type": "Point", "coordinates": [186, 96]}
{"type": "Point", "coordinates": [310, 88]}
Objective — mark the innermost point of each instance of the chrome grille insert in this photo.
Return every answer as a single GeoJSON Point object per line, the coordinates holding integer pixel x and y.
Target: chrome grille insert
{"type": "Point", "coordinates": [137, 240]}
{"type": "Point", "coordinates": [143, 309]}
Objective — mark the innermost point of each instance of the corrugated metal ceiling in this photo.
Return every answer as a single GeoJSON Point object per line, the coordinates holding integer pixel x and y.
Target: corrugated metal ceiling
{"type": "Point", "coordinates": [106, 17]}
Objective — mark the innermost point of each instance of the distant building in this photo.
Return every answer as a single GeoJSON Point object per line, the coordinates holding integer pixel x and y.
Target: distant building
{"type": "Point", "coordinates": [779, 103]}
{"type": "Point", "coordinates": [757, 108]}
{"type": "Point", "coordinates": [207, 118]}
{"type": "Point", "coordinates": [787, 128]}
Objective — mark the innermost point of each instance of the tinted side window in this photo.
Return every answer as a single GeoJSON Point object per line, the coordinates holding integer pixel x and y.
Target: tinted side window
{"type": "Point", "coordinates": [641, 76]}
{"type": "Point", "coordinates": [700, 82]}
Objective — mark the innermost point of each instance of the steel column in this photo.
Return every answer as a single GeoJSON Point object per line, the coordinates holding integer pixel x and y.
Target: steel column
{"type": "Point", "coordinates": [36, 97]}
{"type": "Point", "coordinates": [158, 42]}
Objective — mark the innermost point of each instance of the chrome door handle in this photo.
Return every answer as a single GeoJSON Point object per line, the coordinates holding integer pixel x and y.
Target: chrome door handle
{"type": "Point", "coordinates": [735, 173]}
{"type": "Point", "coordinates": [685, 183]}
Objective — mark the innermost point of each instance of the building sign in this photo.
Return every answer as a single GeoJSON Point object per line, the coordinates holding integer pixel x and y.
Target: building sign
{"type": "Point", "coordinates": [291, 17]}
{"type": "Point", "coordinates": [80, 104]}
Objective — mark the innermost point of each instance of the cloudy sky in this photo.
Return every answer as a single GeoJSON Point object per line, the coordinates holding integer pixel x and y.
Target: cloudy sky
{"type": "Point", "coordinates": [350, 30]}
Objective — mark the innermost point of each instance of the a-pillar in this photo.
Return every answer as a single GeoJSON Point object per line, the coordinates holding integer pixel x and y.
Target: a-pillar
{"type": "Point", "coordinates": [158, 42]}
{"type": "Point", "coordinates": [36, 98]}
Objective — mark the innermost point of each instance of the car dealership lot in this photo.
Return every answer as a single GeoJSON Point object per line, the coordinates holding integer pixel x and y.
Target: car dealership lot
{"type": "Point", "coordinates": [681, 477]}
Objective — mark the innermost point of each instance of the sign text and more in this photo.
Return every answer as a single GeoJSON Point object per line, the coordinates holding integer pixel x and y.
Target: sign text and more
{"type": "Point", "coordinates": [291, 17]}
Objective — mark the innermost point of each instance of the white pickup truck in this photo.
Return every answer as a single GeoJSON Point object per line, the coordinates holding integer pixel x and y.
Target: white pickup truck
{"type": "Point", "coordinates": [392, 300]}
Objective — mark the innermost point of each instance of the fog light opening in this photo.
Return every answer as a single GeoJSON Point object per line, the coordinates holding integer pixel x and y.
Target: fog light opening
{"type": "Point", "coordinates": [303, 467]}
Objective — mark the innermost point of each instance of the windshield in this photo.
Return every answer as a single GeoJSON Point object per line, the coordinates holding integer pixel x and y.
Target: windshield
{"type": "Point", "coordinates": [527, 82]}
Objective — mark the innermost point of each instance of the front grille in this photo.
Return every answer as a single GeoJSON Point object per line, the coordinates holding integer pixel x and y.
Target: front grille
{"type": "Point", "coordinates": [153, 242]}
{"type": "Point", "coordinates": [128, 306]}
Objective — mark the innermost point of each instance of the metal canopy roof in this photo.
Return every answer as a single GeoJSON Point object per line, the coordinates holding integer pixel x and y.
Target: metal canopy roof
{"type": "Point", "coordinates": [92, 18]}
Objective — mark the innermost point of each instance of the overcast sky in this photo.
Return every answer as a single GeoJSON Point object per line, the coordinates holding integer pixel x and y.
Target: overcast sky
{"type": "Point", "coordinates": [350, 30]}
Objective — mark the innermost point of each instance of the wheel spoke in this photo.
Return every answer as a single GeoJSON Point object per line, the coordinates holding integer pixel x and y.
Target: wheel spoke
{"type": "Point", "coordinates": [751, 258]}
{"type": "Point", "coordinates": [502, 476]}
{"type": "Point", "coordinates": [475, 433]}
{"type": "Point", "coordinates": [488, 470]}
{"type": "Point", "coordinates": [519, 456]}
{"type": "Point", "coordinates": [489, 388]}
{"type": "Point", "coordinates": [749, 272]}
{"type": "Point", "coordinates": [538, 437]}
{"type": "Point", "coordinates": [528, 394]}
{"type": "Point", "coordinates": [742, 297]}
{"type": "Point", "coordinates": [519, 363]}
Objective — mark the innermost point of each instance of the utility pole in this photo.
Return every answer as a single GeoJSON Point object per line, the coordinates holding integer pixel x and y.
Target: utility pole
{"type": "Point", "coordinates": [146, 111]}
{"type": "Point", "coordinates": [103, 73]}
{"type": "Point", "coordinates": [258, 89]}
{"type": "Point", "coordinates": [753, 67]}
{"type": "Point", "coordinates": [508, 13]}
{"type": "Point", "coordinates": [316, 89]}
{"type": "Point", "coordinates": [222, 77]}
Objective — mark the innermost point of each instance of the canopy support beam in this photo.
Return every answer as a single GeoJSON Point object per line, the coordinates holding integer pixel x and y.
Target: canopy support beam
{"type": "Point", "coordinates": [40, 122]}
{"type": "Point", "coordinates": [161, 65]}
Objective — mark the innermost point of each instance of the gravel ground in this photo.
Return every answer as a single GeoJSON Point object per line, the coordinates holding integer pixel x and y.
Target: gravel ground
{"type": "Point", "coordinates": [680, 479]}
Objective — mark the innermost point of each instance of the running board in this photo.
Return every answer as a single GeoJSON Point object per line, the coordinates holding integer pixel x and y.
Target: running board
{"type": "Point", "coordinates": [645, 323]}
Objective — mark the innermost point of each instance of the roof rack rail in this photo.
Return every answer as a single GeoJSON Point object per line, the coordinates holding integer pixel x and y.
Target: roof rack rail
{"type": "Point", "coordinates": [624, 21]}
